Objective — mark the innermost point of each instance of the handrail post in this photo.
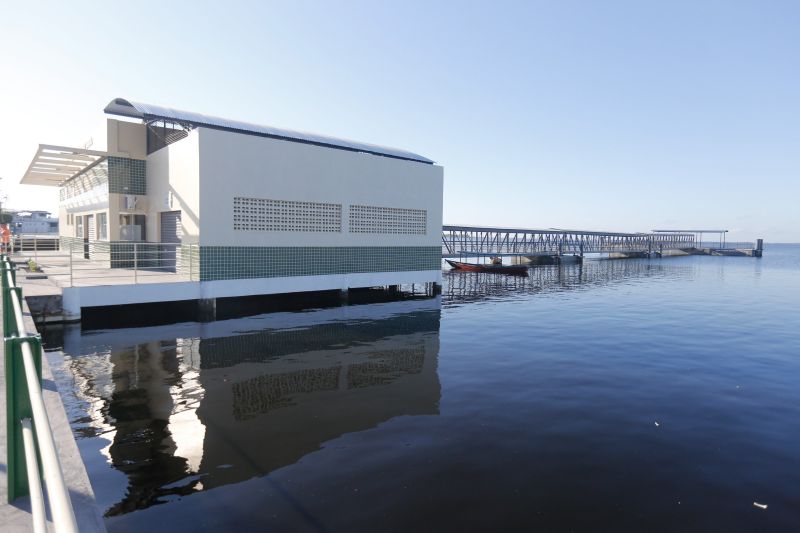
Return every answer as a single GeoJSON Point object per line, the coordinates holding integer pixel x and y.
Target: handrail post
{"type": "Point", "coordinates": [18, 407]}
{"type": "Point", "coordinates": [135, 263]}
{"type": "Point", "coordinates": [70, 263]}
{"type": "Point", "coordinates": [25, 403]}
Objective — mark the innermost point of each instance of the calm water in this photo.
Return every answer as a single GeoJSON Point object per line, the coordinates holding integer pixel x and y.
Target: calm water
{"type": "Point", "coordinates": [640, 395]}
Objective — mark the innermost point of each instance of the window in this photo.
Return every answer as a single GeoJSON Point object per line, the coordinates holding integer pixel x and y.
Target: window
{"type": "Point", "coordinates": [102, 226]}
{"type": "Point", "coordinates": [132, 228]}
{"type": "Point", "coordinates": [79, 227]}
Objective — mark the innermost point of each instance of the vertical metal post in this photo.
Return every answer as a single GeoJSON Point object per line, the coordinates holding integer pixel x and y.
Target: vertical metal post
{"type": "Point", "coordinates": [70, 263]}
{"type": "Point", "coordinates": [135, 262]}
{"type": "Point", "coordinates": [18, 407]}
{"type": "Point", "coordinates": [35, 248]}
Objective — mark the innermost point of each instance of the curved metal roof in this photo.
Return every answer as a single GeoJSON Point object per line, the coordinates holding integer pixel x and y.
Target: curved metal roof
{"type": "Point", "coordinates": [126, 108]}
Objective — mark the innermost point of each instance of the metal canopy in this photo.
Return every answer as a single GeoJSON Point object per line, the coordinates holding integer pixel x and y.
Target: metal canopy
{"type": "Point", "coordinates": [698, 233]}
{"type": "Point", "coordinates": [53, 165]}
{"type": "Point", "coordinates": [690, 231]}
{"type": "Point", "coordinates": [147, 112]}
{"type": "Point", "coordinates": [537, 231]}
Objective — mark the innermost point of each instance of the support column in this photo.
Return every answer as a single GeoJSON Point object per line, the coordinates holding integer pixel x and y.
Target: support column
{"type": "Point", "coordinates": [206, 310]}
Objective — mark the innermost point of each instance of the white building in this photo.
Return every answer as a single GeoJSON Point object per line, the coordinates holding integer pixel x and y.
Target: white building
{"type": "Point", "coordinates": [296, 211]}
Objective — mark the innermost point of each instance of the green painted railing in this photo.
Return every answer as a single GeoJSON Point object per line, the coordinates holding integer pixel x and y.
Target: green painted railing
{"type": "Point", "coordinates": [31, 447]}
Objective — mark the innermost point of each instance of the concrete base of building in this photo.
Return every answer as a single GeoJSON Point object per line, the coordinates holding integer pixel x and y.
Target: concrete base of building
{"type": "Point", "coordinates": [205, 292]}
{"type": "Point", "coordinates": [207, 309]}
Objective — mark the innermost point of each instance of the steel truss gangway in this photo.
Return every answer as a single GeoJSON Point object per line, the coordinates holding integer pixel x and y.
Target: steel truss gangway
{"type": "Point", "coordinates": [459, 241]}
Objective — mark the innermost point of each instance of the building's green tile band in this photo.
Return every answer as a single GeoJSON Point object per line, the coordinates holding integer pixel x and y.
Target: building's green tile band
{"type": "Point", "coordinates": [244, 262]}
{"type": "Point", "coordinates": [147, 255]}
{"type": "Point", "coordinates": [127, 176]}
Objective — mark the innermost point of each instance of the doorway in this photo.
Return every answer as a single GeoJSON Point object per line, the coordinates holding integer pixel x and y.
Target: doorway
{"type": "Point", "coordinates": [88, 233]}
{"type": "Point", "coordinates": [170, 238]}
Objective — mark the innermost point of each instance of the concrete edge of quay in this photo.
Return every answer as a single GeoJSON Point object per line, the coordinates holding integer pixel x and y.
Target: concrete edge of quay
{"type": "Point", "coordinates": [16, 516]}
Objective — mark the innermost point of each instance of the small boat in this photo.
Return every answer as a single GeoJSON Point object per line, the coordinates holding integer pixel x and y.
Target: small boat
{"type": "Point", "coordinates": [514, 270]}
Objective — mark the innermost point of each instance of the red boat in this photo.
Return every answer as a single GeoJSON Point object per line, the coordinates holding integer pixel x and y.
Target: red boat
{"type": "Point", "coordinates": [514, 270]}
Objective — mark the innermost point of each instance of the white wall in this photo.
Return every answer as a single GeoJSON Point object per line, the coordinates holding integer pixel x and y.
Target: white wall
{"type": "Point", "coordinates": [173, 183]}
{"type": "Point", "coordinates": [126, 139]}
{"type": "Point", "coordinates": [234, 164]}
{"type": "Point", "coordinates": [64, 228]}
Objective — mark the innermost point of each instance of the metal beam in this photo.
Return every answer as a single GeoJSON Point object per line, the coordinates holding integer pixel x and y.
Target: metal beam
{"type": "Point", "coordinates": [480, 241]}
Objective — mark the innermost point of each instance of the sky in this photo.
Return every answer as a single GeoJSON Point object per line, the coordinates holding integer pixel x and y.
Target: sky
{"type": "Point", "coordinates": [604, 115]}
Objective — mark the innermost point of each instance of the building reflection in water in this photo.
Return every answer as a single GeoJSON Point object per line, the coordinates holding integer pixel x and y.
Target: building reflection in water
{"type": "Point", "coordinates": [220, 403]}
{"type": "Point", "coordinates": [215, 404]}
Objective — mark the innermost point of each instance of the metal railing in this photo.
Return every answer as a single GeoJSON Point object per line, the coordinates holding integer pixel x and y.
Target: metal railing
{"type": "Point", "coordinates": [35, 242]}
{"type": "Point", "coordinates": [30, 437]}
{"type": "Point", "coordinates": [466, 240]}
{"type": "Point", "coordinates": [727, 245]}
{"type": "Point", "coordinates": [74, 262]}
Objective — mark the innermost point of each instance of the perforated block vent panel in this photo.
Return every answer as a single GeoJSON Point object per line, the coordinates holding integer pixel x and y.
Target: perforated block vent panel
{"type": "Point", "coordinates": [262, 214]}
{"type": "Point", "coordinates": [371, 219]}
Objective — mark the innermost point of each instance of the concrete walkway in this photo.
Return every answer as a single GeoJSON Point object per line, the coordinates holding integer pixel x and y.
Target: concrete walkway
{"type": "Point", "coordinates": [16, 516]}
{"type": "Point", "coordinates": [60, 272]}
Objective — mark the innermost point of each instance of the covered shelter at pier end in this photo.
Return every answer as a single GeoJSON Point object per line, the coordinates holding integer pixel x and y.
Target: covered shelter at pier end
{"type": "Point", "coordinates": [246, 209]}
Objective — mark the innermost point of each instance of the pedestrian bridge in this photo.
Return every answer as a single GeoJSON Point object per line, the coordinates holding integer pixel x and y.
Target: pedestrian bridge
{"type": "Point", "coordinates": [460, 241]}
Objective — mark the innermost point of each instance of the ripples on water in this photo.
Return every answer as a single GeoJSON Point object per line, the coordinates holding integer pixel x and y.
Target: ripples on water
{"type": "Point", "coordinates": [617, 395]}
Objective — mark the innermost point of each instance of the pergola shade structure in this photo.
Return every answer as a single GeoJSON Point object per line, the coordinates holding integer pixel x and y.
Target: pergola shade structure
{"type": "Point", "coordinates": [53, 165]}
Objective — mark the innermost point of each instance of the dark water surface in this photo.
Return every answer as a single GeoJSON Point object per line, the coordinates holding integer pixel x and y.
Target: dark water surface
{"type": "Point", "coordinates": [638, 395]}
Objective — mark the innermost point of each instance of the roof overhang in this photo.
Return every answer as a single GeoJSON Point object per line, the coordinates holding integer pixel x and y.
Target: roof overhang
{"type": "Point", "coordinates": [149, 112]}
{"type": "Point", "coordinates": [53, 165]}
